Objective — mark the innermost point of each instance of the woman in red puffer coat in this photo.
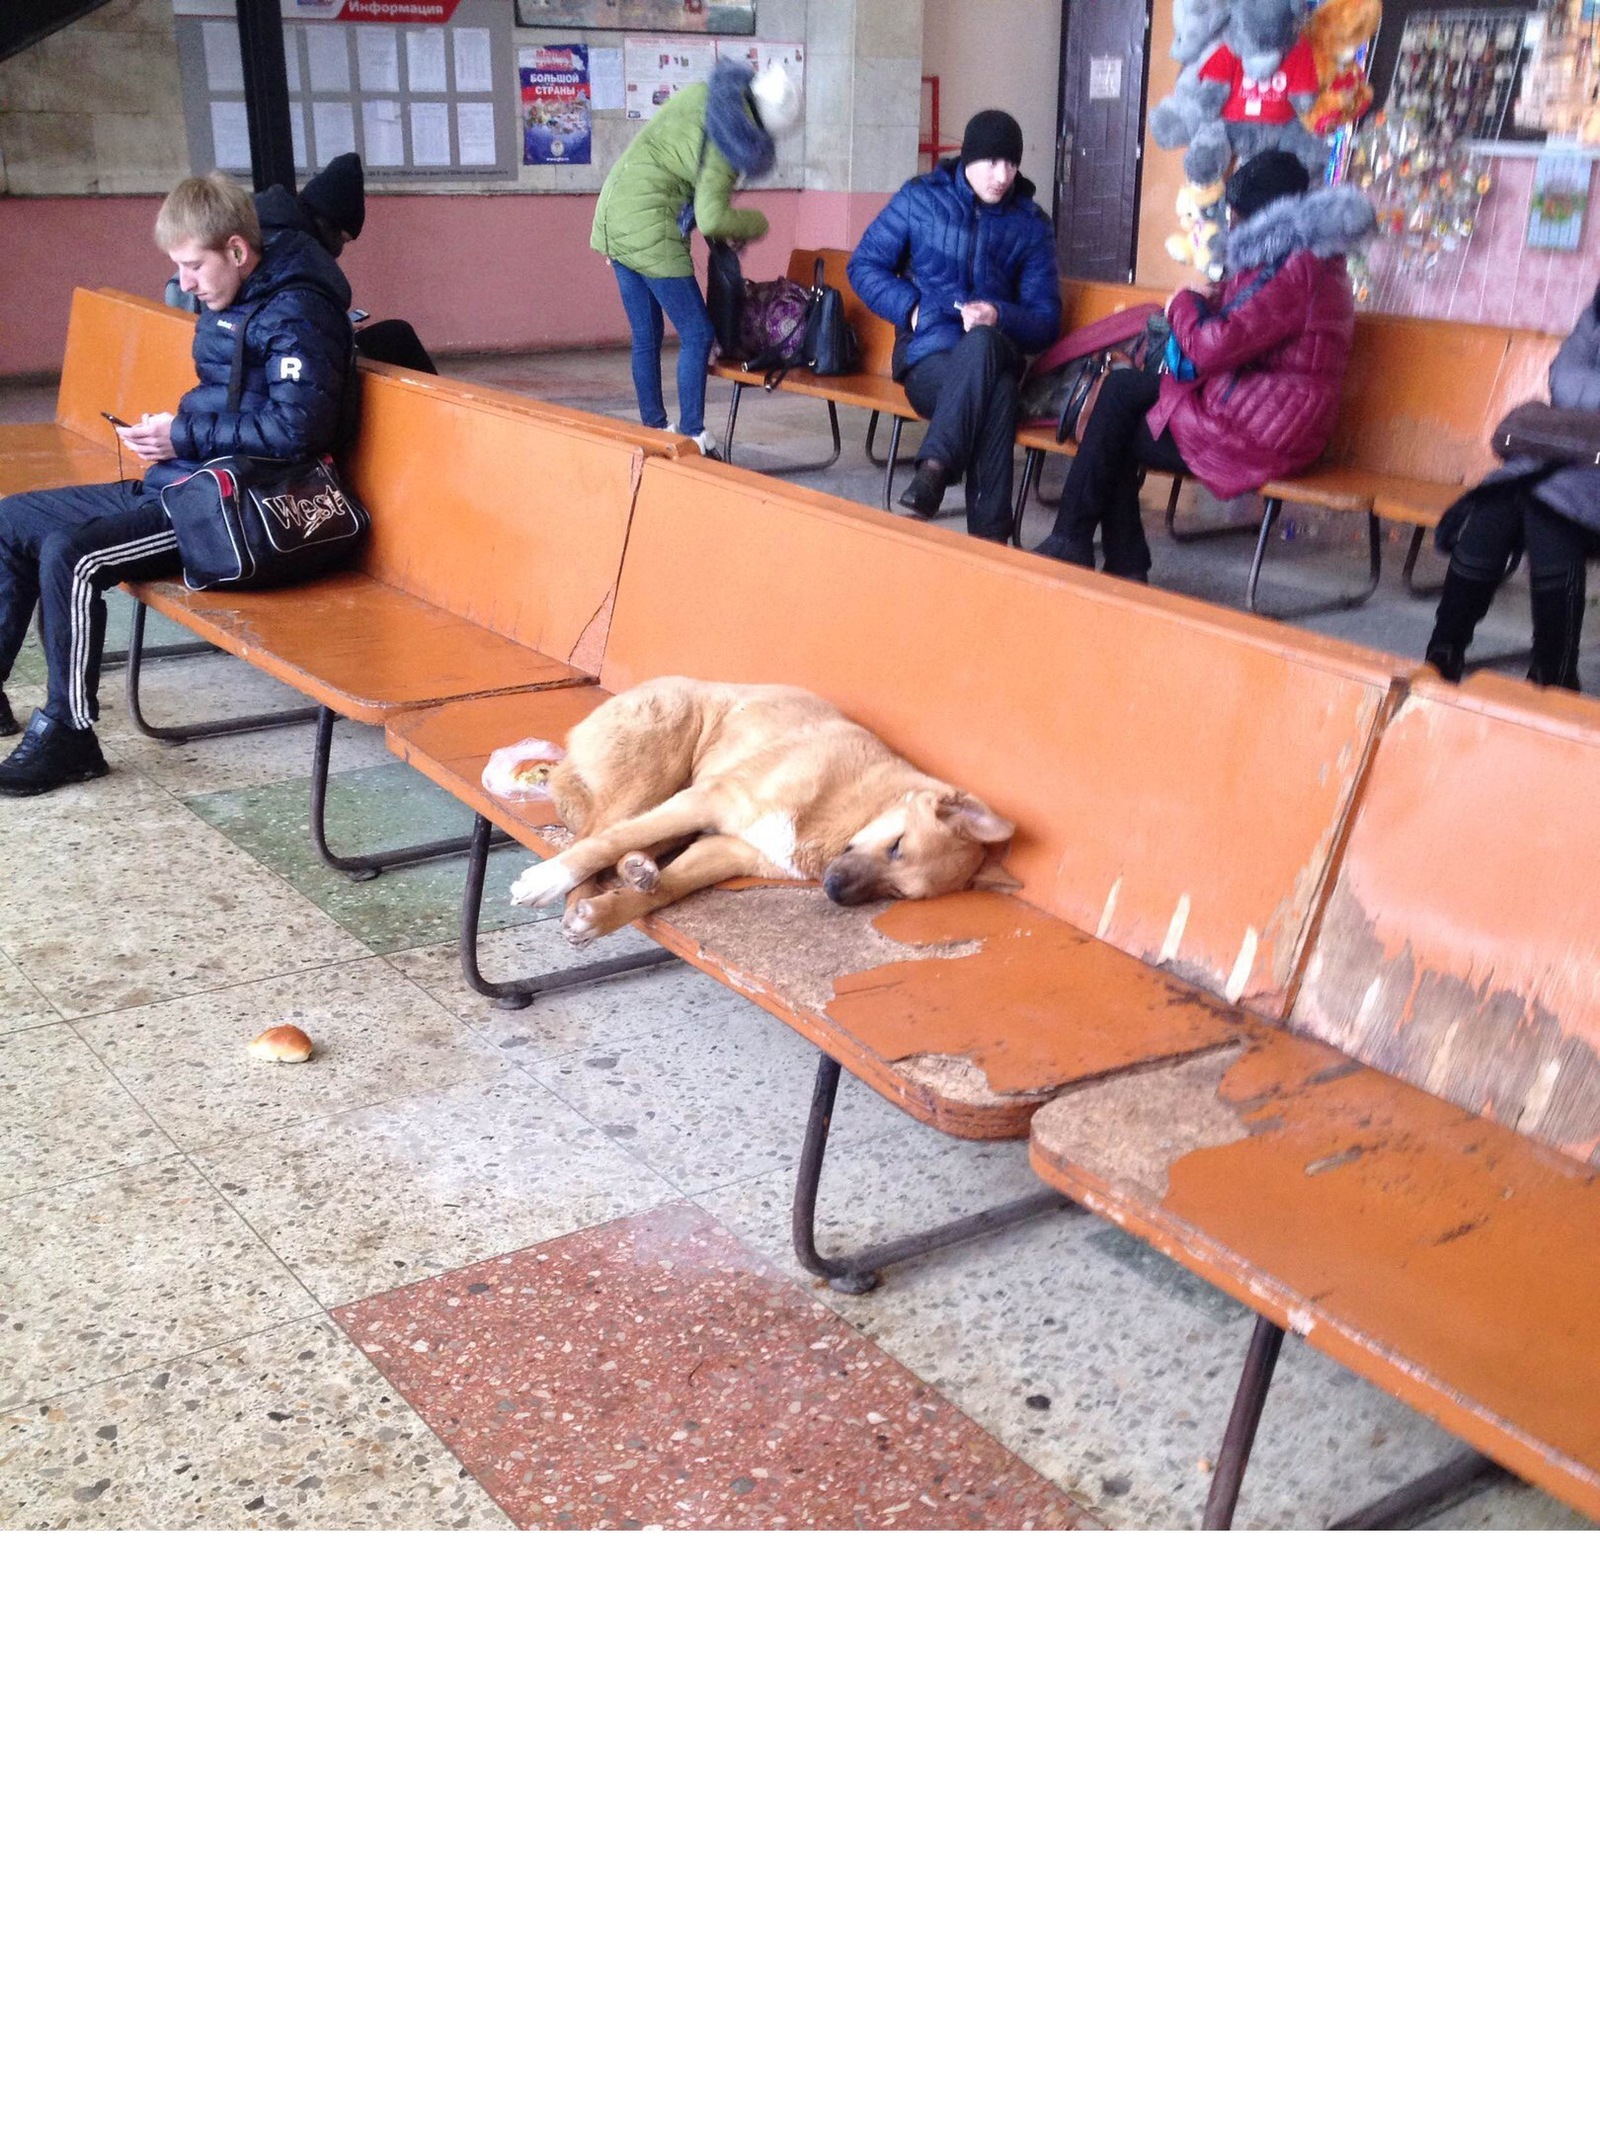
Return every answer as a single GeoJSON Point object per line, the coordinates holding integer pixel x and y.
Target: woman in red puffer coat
{"type": "Point", "coordinates": [1255, 395]}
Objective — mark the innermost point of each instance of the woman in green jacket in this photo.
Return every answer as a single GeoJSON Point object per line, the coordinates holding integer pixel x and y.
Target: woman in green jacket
{"type": "Point", "coordinates": [706, 141]}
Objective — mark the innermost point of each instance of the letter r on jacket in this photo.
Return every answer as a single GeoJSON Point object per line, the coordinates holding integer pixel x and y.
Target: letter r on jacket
{"type": "Point", "coordinates": [289, 370]}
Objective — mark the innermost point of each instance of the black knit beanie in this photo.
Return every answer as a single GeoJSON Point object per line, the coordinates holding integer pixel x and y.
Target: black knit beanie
{"type": "Point", "coordinates": [338, 194]}
{"type": "Point", "coordinates": [991, 137]}
{"type": "Point", "coordinates": [1272, 175]}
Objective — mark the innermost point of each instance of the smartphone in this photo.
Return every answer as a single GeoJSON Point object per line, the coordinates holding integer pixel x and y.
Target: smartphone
{"type": "Point", "coordinates": [117, 422]}
{"type": "Point", "coordinates": [357, 316]}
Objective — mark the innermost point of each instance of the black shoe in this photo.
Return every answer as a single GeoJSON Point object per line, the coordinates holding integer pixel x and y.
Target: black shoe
{"type": "Point", "coordinates": [1447, 660]}
{"type": "Point", "coordinates": [1061, 550]}
{"type": "Point", "coordinates": [48, 755]}
{"type": "Point", "coordinates": [924, 492]}
{"type": "Point", "coordinates": [8, 724]}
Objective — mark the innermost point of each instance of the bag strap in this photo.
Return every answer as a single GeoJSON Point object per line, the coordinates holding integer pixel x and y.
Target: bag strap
{"type": "Point", "coordinates": [236, 361]}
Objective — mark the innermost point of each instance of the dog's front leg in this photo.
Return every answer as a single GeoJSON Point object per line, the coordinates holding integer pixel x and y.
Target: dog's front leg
{"type": "Point", "coordinates": [643, 888]}
{"type": "Point", "coordinates": [686, 814]}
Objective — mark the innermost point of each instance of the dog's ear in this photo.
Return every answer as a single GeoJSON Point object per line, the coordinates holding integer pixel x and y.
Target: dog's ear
{"type": "Point", "coordinates": [965, 812]}
{"type": "Point", "coordinates": [992, 875]}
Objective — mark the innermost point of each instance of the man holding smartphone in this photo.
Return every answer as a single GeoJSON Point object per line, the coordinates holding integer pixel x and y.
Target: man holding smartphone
{"type": "Point", "coordinates": [285, 307]}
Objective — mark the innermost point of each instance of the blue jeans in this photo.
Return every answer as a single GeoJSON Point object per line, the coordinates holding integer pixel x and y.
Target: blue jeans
{"type": "Point", "coordinates": [645, 299]}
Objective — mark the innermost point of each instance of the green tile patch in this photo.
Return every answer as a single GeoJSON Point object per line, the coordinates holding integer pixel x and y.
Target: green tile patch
{"type": "Point", "coordinates": [385, 805]}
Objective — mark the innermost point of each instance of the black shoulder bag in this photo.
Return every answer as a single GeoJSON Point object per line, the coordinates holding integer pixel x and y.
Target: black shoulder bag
{"type": "Point", "coordinates": [257, 523]}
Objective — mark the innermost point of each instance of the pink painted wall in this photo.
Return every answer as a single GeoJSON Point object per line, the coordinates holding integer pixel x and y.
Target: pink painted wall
{"type": "Point", "coordinates": [473, 271]}
{"type": "Point", "coordinates": [1496, 280]}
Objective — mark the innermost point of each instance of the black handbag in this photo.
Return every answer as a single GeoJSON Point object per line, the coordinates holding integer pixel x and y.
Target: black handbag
{"type": "Point", "coordinates": [257, 523]}
{"type": "Point", "coordinates": [830, 346]}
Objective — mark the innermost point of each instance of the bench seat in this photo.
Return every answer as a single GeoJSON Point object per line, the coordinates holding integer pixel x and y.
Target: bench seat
{"type": "Point", "coordinates": [362, 648]}
{"type": "Point", "coordinates": [43, 455]}
{"type": "Point", "coordinates": [1452, 1261]}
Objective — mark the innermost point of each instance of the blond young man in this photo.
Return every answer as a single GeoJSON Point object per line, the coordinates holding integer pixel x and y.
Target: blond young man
{"type": "Point", "coordinates": [61, 548]}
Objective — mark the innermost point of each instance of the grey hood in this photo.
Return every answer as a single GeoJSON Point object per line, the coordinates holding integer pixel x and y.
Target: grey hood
{"type": "Point", "coordinates": [1327, 221]}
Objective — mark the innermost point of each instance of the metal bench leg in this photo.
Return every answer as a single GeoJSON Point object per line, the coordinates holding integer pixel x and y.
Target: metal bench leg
{"type": "Point", "coordinates": [522, 992]}
{"type": "Point", "coordinates": [1032, 471]}
{"type": "Point", "coordinates": [859, 1273]}
{"type": "Point", "coordinates": [1194, 533]}
{"type": "Point", "coordinates": [897, 423]}
{"type": "Point", "coordinates": [733, 416]}
{"type": "Point", "coordinates": [365, 866]}
{"type": "Point", "coordinates": [1269, 518]}
{"type": "Point", "coordinates": [1419, 1499]}
{"type": "Point", "coordinates": [209, 729]}
{"type": "Point", "coordinates": [1255, 1381]}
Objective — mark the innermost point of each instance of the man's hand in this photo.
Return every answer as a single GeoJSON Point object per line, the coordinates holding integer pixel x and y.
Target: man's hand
{"type": "Point", "coordinates": [977, 315]}
{"type": "Point", "coordinates": [150, 438]}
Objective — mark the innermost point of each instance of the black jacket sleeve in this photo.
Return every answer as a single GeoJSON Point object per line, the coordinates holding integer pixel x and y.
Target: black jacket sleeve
{"type": "Point", "coordinates": [297, 365]}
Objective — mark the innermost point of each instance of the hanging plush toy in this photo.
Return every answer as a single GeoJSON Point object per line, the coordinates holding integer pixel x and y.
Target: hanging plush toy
{"type": "Point", "coordinates": [1267, 73]}
{"type": "Point", "coordinates": [1200, 240]}
{"type": "Point", "coordinates": [1336, 33]}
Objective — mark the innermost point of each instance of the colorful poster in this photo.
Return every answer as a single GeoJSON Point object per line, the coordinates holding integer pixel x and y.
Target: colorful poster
{"type": "Point", "coordinates": [555, 103]}
{"type": "Point", "coordinates": [654, 69]}
{"type": "Point", "coordinates": [729, 18]}
{"type": "Point", "coordinates": [1560, 195]}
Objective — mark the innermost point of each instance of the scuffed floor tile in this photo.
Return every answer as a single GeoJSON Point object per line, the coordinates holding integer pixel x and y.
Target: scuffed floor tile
{"type": "Point", "coordinates": [292, 1428]}
{"type": "Point", "coordinates": [125, 1271]}
{"type": "Point", "coordinates": [444, 1179]}
{"type": "Point", "coordinates": [656, 1372]}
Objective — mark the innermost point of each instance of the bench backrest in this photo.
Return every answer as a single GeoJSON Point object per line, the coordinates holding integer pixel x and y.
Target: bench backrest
{"type": "Point", "coordinates": [1179, 775]}
{"type": "Point", "coordinates": [1083, 303]}
{"type": "Point", "coordinates": [125, 355]}
{"type": "Point", "coordinates": [1421, 396]}
{"type": "Point", "coordinates": [1460, 948]}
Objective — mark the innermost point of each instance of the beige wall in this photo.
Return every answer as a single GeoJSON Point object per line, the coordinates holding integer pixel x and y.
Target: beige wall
{"type": "Point", "coordinates": [1163, 169]}
{"type": "Point", "coordinates": [1005, 53]}
{"type": "Point", "coordinates": [97, 107]}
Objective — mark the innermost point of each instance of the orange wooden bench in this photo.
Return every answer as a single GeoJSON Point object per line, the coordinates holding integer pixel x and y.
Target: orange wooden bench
{"type": "Point", "coordinates": [498, 530]}
{"type": "Point", "coordinates": [1404, 1172]}
{"type": "Point", "coordinates": [1053, 701]}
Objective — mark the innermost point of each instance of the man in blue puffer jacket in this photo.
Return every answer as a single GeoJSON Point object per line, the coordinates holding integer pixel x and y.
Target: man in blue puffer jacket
{"type": "Point", "coordinates": [61, 548]}
{"type": "Point", "coordinates": [963, 262]}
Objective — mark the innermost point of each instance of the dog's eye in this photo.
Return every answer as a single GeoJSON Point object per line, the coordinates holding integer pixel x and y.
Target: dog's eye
{"type": "Point", "coordinates": [893, 852]}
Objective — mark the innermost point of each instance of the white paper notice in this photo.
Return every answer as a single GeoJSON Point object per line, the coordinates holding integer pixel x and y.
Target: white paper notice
{"type": "Point", "coordinates": [605, 77]}
{"type": "Point", "coordinates": [475, 133]}
{"type": "Point", "coordinates": [383, 135]}
{"type": "Point", "coordinates": [474, 63]}
{"type": "Point", "coordinates": [378, 55]}
{"type": "Point", "coordinates": [425, 61]}
{"type": "Point", "coordinates": [328, 56]}
{"type": "Point", "coordinates": [224, 67]}
{"type": "Point", "coordinates": [335, 128]}
{"type": "Point", "coordinates": [230, 136]}
{"type": "Point", "coordinates": [297, 132]}
{"type": "Point", "coordinates": [430, 136]}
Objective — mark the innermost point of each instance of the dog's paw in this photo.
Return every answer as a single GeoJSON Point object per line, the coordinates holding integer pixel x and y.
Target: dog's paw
{"type": "Point", "coordinates": [580, 923]}
{"type": "Point", "coordinates": [640, 872]}
{"type": "Point", "coordinates": [542, 884]}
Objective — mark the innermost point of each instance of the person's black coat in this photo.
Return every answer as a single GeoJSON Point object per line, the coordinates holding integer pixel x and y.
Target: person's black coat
{"type": "Point", "coordinates": [297, 391]}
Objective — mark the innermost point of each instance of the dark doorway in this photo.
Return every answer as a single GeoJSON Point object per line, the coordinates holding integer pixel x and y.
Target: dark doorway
{"type": "Point", "coordinates": [1104, 46]}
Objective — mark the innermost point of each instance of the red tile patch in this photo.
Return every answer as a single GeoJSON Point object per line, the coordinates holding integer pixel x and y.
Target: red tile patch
{"type": "Point", "coordinates": [657, 1372]}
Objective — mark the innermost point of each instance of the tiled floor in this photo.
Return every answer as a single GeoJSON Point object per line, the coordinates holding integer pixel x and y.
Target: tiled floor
{"type": "Point", "coordinates": [470, 1268]}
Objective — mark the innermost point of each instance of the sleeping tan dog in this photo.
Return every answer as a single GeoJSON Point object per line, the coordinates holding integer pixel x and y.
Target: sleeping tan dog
{"type": "Point", "coordinates": [764, 780]}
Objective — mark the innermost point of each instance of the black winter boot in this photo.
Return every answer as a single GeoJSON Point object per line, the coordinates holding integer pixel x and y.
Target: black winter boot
{"type": "Point", "coordinates": [8, 724]}
{"type": "Point", "coordinates": [924, 492]}
{"type": "Point", "coordinates": [1558, 605]}
{"type": "Point", "coordinates": [1462, 606]}
{"type": "Point", "coordinates": [50, 754]}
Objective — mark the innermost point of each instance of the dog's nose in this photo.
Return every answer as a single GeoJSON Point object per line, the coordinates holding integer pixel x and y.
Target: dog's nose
{"type": "Point", "coordinates": [835, 886]}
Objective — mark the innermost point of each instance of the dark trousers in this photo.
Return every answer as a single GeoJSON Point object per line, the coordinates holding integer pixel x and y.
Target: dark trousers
{"type": "Point", "coordinates": [1102, 490]}
{"type": "Point", "coordinates": [59, 550]}
{"type": "Point", "coordinates": [1506, 516]}
{"type": "Point", "coordinates": [969, 394]}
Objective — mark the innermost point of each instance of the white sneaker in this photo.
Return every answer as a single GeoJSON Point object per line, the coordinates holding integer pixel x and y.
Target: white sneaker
{"type": "Point", "coordinates": [708, 445]}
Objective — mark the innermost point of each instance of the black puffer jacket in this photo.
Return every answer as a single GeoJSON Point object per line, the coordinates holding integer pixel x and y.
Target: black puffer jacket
{"type": "Point", "coordinates": [297, 392]}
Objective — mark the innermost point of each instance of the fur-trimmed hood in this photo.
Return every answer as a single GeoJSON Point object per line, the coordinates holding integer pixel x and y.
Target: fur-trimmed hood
{"type": "Point", "coordinates": [1327, 221]}
{"type": "Point", "coordinates": [731, 122]}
